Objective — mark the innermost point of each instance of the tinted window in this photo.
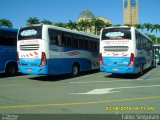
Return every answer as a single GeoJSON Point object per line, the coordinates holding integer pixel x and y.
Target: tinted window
{"type": "Point", "coordinates": [142, 42]}
{"type": "Point", "coordinates": [72, 40]}
{"type": "Point", "coordinates": [34, 32]}
{"type": "Point", "coordinates": [114, 33]}
{"type": "Point", "coordinates": [8, 38]}
{"type": "Point", "coordinates": [54, 36]}
{"type": "Point", "coordinates": [75, 40]}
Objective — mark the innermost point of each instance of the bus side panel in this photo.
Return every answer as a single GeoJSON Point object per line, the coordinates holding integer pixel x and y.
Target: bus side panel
{"type": "Point", "coordinates": [144, 57]}
{"type": "Point", "coordinates": [7, 54]}
{"type": "Point", "coordinates": [64, 65]}
{"type": "Point", "coordinates": [61, 59]}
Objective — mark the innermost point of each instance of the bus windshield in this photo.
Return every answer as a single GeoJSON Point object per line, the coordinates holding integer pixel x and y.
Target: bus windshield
{"type": "Point", "coordinates": [27, 33]}
{"type": "Point", "coordinates": [116, 33]}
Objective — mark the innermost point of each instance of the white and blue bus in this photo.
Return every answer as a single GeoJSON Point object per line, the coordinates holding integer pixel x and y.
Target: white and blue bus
{"type": "Point", "coordinates": [125, 50]}
{"type": "Point", "coordinates": [51, 50]}
{"type": "Point", "coordinates": [8, 51]}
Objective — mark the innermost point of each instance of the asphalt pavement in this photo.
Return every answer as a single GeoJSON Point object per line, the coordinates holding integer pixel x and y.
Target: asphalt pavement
{"type": "Point", "coordinates": [92, 93]}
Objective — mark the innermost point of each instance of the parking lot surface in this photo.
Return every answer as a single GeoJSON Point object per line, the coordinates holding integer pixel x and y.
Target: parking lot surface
{"type": "Point", "coordinates": [91, 93]}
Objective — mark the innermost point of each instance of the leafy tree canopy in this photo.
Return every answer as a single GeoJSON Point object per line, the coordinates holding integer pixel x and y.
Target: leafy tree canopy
{"type": "Point", "coordinates": [6, 23]}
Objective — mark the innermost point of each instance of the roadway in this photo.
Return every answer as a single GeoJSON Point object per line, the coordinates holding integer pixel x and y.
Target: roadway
{"type": "Point", "coordinates": [90, 93]}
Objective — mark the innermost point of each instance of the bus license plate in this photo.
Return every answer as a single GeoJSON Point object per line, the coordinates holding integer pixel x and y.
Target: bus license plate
{"type": "Point", "coordinates": [29, 69]}
{"type": "Point", "coordinates": [115, 69]}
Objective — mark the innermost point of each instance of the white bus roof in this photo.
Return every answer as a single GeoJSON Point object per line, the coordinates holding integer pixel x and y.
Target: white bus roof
{"type": "Point", "coordinates": [156, 45]}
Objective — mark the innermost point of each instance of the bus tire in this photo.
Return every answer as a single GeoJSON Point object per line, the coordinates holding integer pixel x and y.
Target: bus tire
{"type": "Point", "coordinates": [11, 69]}
{"type": "Point", "coordinates": [75, 70]}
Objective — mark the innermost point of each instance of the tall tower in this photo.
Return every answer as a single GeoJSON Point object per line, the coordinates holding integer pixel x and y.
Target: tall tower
{"type": "Point", "coordinates": [130, 11]}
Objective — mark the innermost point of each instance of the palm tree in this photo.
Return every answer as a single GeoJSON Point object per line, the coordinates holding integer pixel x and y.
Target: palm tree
{"type": "Point", "coordinates": [127, 24]}
{"type": "Point", "coordinates": [117, 25]}
{"type": "Point", "coordinates": [72, 25]}
{"type": "Point", "coordinates": [152, 37]}
{"type": "Point", "coordinates": [84, 25]}
{"type": "Point", "coordinates": [6, 23]}
{"type": "Point", "coordinates": [60, 24]}
{"type": "Point", "coordinates": [45, 21]}
{"type": "Point", "coordinates": [148, 26]}
{"type": "Point", "coordinates": [33, 20]}
{"type": "Point", "coordinates": [98, 24]}
{"type": "Point", "coordinates": [139, 26]}
{"type": "Point", "coordinates": [155, 28]}
{"type": "Point", "coordinates": [108, 24]}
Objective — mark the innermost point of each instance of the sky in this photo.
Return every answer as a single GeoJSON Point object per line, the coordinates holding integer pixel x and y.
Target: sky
{"type": "Point", "coordinates": [18, 11]}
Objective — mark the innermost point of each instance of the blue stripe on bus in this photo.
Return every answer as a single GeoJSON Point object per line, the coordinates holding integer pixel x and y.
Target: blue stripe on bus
{"type": "Point", "coordinates": [54, 66]}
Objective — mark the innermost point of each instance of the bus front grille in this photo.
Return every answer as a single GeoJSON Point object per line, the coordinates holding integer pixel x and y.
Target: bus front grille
{"type": "Point", "coordinates": [116, 48]}
{"type": "Point", "coordinates": [29, 47]}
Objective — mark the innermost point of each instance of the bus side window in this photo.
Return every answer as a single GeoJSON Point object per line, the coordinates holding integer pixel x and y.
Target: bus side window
{"type": "Point", "coordinates": [8, 38]}
{"type": "Point", "coordinates": [81, 42]}
{"type": "Point", "coordinates": [64, 40]}
{"type": "Point", "coordinates": [53, 35]}
{"type": "Point", "coordinates": [60, 40]}
{"type": "Point", "coordinates": [137, 41]}
{"type": "Point", "coordinates": [69, 39]}
{"type": "Point", "coordinates": [75, 40]}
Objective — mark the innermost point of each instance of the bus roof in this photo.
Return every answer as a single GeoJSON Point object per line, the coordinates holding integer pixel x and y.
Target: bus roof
{"type": "Point", "coordinates": [118, 27]}
{"type": "Point", "coordinates": [158, 45]}
{"type": "Point", "coordinates": [9, 29]}
{"type": "Point", "coordinates": [66, 30]}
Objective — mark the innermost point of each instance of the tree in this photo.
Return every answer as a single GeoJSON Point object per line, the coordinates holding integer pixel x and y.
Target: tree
{"type": "Point", "coordinates": [72, 25]}
{"type": "Point", "coordinates": [6, 23]}
{"type": "Point", "coordinates": [84, 25]}
{"type": "Point", "coordinates": [60, 24]}
{"type": "Point", "coordinates": [33, 20]}
{"type": "Point", "coordinates": [147, 26]}
{"type": "Point", "coordinates": [45, 21]}
{"type": "Point", "coordinates": [127, 24]}
{"type": "Point", "coordinates": [98, 24]}
{"type": "Point", "coordinates": [152, 37]}
{"type": "Point", "coordinates": [117, 25]}
{"type": "Point", "coordinates": [155, 28]}
{"type": "Point", "coordinates": [139, 26]}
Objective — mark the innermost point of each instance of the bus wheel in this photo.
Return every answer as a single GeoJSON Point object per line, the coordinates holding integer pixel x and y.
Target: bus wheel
{"type": "Point", "coordinates": [11, 69]}
{"type": "Point", "coordinates": [75, 70]}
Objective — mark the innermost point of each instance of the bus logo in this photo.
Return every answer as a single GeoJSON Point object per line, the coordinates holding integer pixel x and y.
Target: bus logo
{"type": "Point", "coordinates": [28, 32]}
{"type": "Point", "coordinates": [114, 34]}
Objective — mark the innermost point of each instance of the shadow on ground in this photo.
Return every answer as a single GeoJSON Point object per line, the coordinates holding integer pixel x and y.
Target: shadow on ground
{"type": "Point", "coordinates": [53, 78]}
{"type": "Point", "coordinates": [3, 75]}
{"type": "Point", "coordinates": [128, 76]}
